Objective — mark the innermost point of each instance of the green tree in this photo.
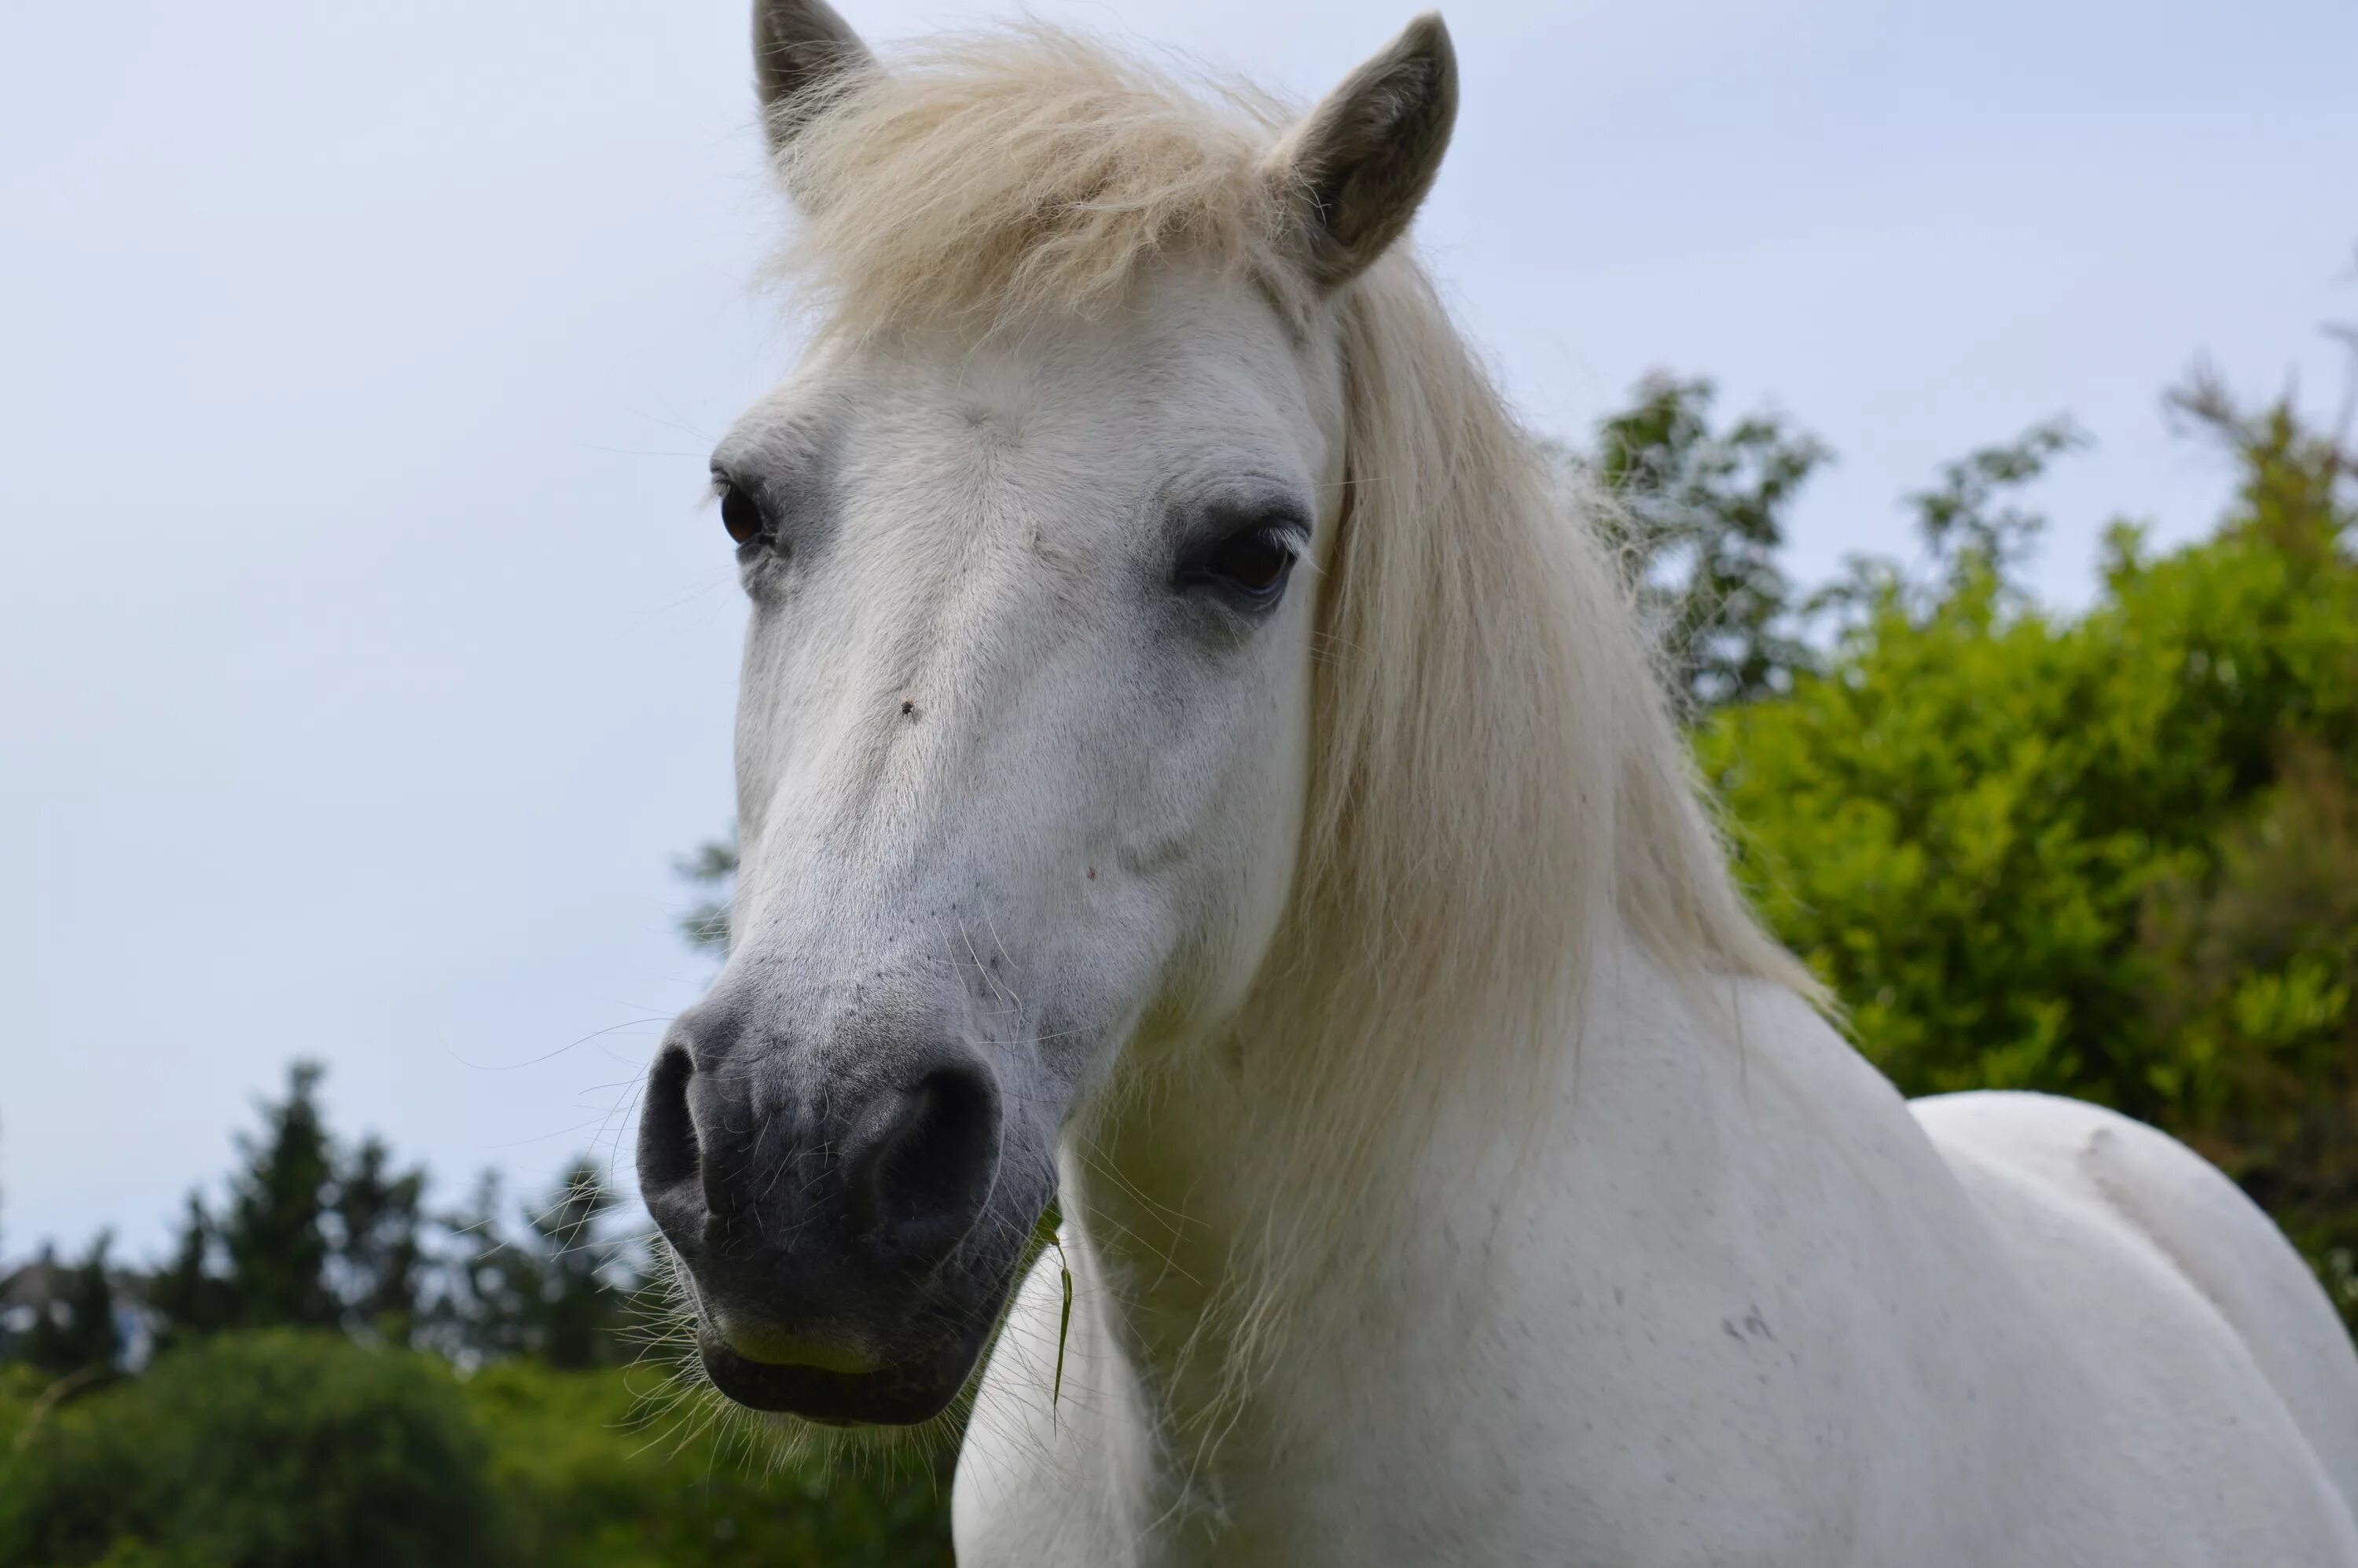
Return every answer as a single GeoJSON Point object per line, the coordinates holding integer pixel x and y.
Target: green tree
{"type": "Point", "coordinates": [310, 1237]}
{"type": "Point", "coordinates": [490, 1282]}
{"type": "Point", "coordinates": [276, 1232]}
{"type": "Point", "coordinates": [189, 1293]}
{"type": "Point", "coordinates": [77, 1334]}
{"type": "Point", "coordinates": [380, 1252]}
{"type": "Point", "coordinates": [1702, 521]}
{"type": "Point", "coordinates": [1976, 532]}
{"type": "Point", "coordinates": [558, 1290]}
{"type": "Point", "coordinates": [1972, 520]}
{"type": "Point", "coordinates": [2254, 965]}
{"type": "Point", "coordinates": [713, 868]}
{"type": "Point", "coordinates": [2094, 855]}
{"type": "Point", "coordinates": [582, 1287]}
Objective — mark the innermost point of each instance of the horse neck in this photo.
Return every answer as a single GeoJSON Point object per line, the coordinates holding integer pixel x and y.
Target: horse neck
{"type": "Point", "coordinates": [1164, 1188]}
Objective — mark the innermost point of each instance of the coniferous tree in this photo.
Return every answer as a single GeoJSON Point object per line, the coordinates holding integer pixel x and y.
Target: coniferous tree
{"type": "Point", "coordinates": [276, 1235]}
{"type": "Point", "coordinates": [580, 1304]}
{"type": "Point", "coordinates": [189, 1294]}
{"type": "Point", "coordinates": [380, 1253]}
{"type": "Point", "coordinates": [490, 1282]}
{"type": "Point", "coordinates": [556, 1289]}
{"type": "Point", "coordinates": [77, 1332]}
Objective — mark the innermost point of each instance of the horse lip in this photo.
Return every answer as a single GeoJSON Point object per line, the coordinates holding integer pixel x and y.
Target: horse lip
{"type": "Point", "coordinates": [886, 1398]}
{"type": "Point", "coordinates": [878, 1397]}
{"type": "Point", "coordinates": [763, 1346]}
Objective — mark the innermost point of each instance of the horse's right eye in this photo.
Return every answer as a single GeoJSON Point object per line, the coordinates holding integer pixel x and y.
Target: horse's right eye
{"type": "Point", "coordinates": [1250, 566]}
{"type": "Point", "coordinates": [1254, 561]}
{"type": "Point", "coordinates": [741, 515]}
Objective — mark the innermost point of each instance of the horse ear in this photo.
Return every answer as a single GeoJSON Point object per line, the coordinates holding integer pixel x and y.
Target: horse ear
{"type": "Point", "coordinates": [800, 47]}
{"type": "Point", "coordinates": [1356, 168]}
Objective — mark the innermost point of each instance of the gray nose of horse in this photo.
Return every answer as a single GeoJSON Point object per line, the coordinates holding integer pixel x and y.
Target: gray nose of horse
{"type": "Point", "coordinates": [803, 1211]}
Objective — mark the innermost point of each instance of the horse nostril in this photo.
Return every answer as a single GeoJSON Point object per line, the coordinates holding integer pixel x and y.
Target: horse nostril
{"type": "Point", "coordinates": [670, 1164]}
{"type": "Point", "coordinates": [921, 1161]}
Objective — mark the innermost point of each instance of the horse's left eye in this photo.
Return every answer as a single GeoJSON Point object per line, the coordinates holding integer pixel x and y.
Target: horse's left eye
{"type": "Point", "coordinates": [1252, 562]}
{"type": "Point", "coordinates": [741, 515]}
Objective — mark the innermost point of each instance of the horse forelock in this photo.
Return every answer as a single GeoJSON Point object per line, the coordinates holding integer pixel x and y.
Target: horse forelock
{"type": "Point", "coordinates": [979, 179]}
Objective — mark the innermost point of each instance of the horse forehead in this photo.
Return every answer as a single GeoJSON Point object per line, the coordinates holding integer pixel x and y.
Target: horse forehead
{"type": "Point", "coordinates": [1147, 391]}
{"type": "Point", "coordinates": [1185, 348]}
{"type": "Point", "coordinates": [1061, 456]}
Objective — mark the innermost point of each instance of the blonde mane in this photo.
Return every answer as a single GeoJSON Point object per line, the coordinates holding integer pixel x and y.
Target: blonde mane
{"type": "Point", "coordinates": [1495, 772]}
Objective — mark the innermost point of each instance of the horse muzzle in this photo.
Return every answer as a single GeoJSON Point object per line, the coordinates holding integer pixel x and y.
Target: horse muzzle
{"type": "Point", "coordinates": [828, 1223]}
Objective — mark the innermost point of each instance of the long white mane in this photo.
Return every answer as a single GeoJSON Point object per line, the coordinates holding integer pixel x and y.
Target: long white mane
{"type": "Point", "coordinates": [1496, 774]}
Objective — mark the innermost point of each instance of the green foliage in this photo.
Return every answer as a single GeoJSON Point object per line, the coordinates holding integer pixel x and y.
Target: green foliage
{"type": "Point", "coordinates": [1970, 520]}
{"type": "Point", "coordinates": [1701, 522]}
{"type": "Point", "coordinates": [560, 1291]}
{"type": "Point", "coordinates": [712, 867]}
{"type": "Point", "coordinates": [579, 1317]}
{"type": "Point", "coordinates": [593, 1478]}
{"type": "Point", "coordinates": [257, 1450]}
{"type": "Point", "coordinates": [1977, 533]}
{"type": "Point", "coordinates": [78, 1336]}
{"type": "Point", "coordinates": [310, 1238]}
{"type": "Point", "coordinates": [316, 1237]}
{"type": "Point", "coordinates": [276, 1234]}
{"type": "Point", "coordinates": [278, 1449]}
{"type": "Point", "coordinates": [2097, 857]}
{"type": "Point", "coordinates": [189, 1294]}
{"type": "Point", "coordinates": [379, 1256]}
{"type": "Point", "coordinates": [2254, 969]}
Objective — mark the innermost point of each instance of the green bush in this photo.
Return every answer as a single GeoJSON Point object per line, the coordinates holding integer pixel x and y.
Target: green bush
{"type": "Point", "coordinates": [597, 1473]}
{"type": "Point", "coordinates": [286, 1449]}
{"type": "Point", "coordinates": [270, 1450]}
{"type": "Point", "coordinates": [2109, 856]}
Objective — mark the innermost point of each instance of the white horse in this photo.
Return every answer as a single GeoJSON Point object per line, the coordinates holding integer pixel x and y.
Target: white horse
{"type": "Point", "coordinates": [1195, 761]}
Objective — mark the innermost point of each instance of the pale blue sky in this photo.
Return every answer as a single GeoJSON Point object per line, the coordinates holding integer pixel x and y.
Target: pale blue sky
{"type": "Point", "coordinates": [364, 656]}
